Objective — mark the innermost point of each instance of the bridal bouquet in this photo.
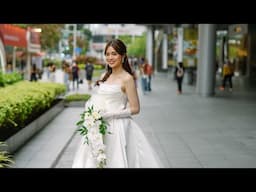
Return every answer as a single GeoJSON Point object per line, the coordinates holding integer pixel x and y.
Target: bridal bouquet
{"type": "Point", "coordinates": [93, 127]}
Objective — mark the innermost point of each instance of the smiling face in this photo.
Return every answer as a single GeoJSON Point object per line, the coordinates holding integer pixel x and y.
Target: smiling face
{"type": "Point", "coordinates": [113, 59]}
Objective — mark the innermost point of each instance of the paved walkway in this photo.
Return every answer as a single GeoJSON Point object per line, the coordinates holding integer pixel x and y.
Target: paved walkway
{"type": "Point", "coordinates": [187, 131]}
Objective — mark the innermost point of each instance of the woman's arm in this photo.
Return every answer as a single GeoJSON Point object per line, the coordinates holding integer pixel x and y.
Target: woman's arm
{"type": "Point", "coordinates": [132, 95]}
{"type": "Point", "coordinates": [130, 90]}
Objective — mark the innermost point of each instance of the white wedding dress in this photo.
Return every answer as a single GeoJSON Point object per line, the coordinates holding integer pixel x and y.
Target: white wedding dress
{"type": "Point", "coordinates": [126, 146]}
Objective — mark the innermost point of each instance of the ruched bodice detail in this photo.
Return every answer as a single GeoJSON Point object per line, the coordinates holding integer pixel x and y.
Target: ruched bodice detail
{"type": "Point", "coordinates": [110, 97]}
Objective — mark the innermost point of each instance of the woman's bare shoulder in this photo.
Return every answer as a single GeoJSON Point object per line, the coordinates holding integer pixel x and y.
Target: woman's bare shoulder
{"type": "Point", "coordinates": [127, 78]}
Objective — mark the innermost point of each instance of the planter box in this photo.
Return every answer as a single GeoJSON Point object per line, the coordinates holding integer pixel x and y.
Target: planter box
{"type": "Point", "coordinates": [21, 137]}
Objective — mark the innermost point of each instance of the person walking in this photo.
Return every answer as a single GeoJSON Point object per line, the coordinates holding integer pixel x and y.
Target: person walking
{"type": "Point", "coordinates": [67, 74]}
{"type": "Point", "coordinates": [33, 73]}
{"type": "Point", "coordinates": [228, 73]}
{"type": "Point", "coordinates": [179, 74]}
{"type": "Point", "coordinates": [143, 76]}
{"type": "Point", "coordinates": [148, 71]}
{"type": "Point", "coordinates": [75, 75]}
{"type": "Point", "coordinates": [89, 68]}
{"type": "Point", "coordinates": [52, 70]}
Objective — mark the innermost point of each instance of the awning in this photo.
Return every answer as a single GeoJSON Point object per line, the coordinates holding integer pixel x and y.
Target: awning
{"type": "Point", "coordinates": [13, 35]}
{"type": "Point", "coordinates": [20, 54]}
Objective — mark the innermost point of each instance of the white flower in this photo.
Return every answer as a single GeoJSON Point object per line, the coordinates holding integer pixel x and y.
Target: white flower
{"type": "Point", "coordinates": [89, 121]}
{"type": "Point", "coordinates": [93, 127]}
{"type": "Point", "coordinates": [96, 115]}
{"type": "Point", "coordinates": [101, 157]}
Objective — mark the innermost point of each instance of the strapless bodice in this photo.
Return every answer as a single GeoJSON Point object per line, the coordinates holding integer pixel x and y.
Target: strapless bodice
{"type": "Point", "coordinates": [109, 97]}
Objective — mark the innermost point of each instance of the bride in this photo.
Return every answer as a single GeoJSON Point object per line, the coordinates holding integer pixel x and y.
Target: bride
{"type": "Point", "coordinates": [126, 146]}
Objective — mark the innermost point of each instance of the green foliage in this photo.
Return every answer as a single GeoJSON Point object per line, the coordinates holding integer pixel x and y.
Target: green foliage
{"type": "Point", "coordinates": [56, 62]}
{"type": "Point", "coordinates": [138, 47]}
{"type": "Point", "coordinates": [81, 66]}
{"type": "Point", "coordinates": [88, 34]}
{"type": "Point", "coordinates": [82, 43]}
{"type": "Point", "coordinates": [5, 158]}
{"type": "Point", "coordinates": [79, 26]}
{"type": "Point", "coordinates": [2, 84]}
{"type": "Point", "coordinates": [24, 100]}
{"type": "Point", "coordinates": [190, 34]}
{"type": "Point", "coordinates": [9, 78]}
{"type": "Point", "coordinates": [84, 130]}
{"type": "Point", "coordinates": [127, 39]}
{"type": "Point", "coordinates": [77, 97]}
{"type": "Point", "coordinates": [97, 73]}
{"type": "Point", "coordinates": [82, 60]}
{"type": "Point", "coordinates": [233, 51]}
{"type": "Point", "coordinates": [99, 67]}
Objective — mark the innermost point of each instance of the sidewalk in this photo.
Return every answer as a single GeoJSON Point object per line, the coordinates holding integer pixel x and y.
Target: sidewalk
{"type": "Point", "coordinates": [46, 147]}
{"type": "Point", "coordinates": [187, 131]}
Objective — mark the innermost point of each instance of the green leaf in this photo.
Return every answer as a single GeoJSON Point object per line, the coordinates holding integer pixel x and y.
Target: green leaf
{"type": "Point", "coordinates": [80, 122]}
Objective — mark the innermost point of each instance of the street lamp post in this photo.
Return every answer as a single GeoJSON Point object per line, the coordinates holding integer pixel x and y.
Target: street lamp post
{"type": "Point", "coordinates": [74, 41]}
{"type": "Point", "coordinates": [14, 58]}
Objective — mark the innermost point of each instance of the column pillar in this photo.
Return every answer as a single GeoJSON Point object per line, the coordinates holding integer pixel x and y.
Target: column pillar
{"type": "Point", "coordinates": [149, 45]}
{"type": "Point", "coordinates": [180, 45]}
{"type": "Point", "coordinates": [74, 41]}
{"type": "Point", "coordinates": [206, 60]}
{"type": "Point", "coordinates": [165, 52]}
{"type": "Point", "coordinates": [2, 57]}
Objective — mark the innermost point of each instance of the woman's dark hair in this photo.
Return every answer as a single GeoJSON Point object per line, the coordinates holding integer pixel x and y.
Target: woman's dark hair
{"type": "Point", "coordinates": [120, 48]}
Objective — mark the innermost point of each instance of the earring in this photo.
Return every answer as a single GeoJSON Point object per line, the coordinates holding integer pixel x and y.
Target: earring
{"type": "Point", "coordinates": [122, 59]}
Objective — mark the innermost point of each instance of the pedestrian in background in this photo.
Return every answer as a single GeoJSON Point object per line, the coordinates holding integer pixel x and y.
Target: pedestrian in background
{"type": "Point", "coordinates": [67, 74]}
{"type": "Point", "coordinates": [179, 74]}
{"type": "Point", "coordinates": [33, 73]}
{"type": "Point", "coordinates": [148, 71]}
{"type": "Point", "coordinates": [228, 73]}
{"type": "Point", "coordinates": [52, 70]}
{"type": "Point", "coordinates": [75, 75]}
{"type": "Point", "coordinates": [143, 76]}
{"type": "Point", "coordinates": [89, 68]}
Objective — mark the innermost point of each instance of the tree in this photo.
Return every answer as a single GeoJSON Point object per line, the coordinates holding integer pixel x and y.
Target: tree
{"type": "Point", "coordinates": [127, 39]}
{"type": "Point", "coordinates": [81, 41]}
{"type": "Point", "coordinates": [80, 26]}
{"type": "Point", "coordinates": [50, 35]}
{"type": "Point", "coordinates": [88, 34]}
{"type": "Point", "coordinates": [137, 48]}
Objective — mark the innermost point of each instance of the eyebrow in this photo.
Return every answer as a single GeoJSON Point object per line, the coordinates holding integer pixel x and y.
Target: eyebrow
{"type": "Point", "coordinates": [111, 52]}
